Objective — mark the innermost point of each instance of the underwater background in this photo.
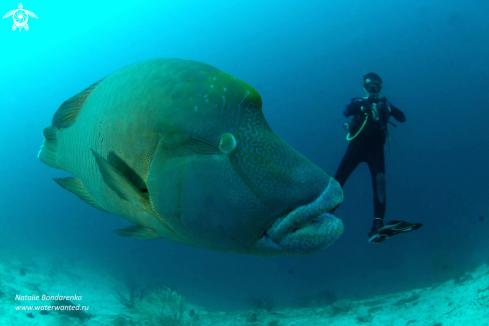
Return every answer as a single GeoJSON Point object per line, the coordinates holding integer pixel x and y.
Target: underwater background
{"type": "Point", "coordinates": [306, 59]}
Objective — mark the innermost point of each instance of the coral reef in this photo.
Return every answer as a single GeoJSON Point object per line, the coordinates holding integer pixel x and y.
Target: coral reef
{"type": "Point", "coordinates": [136, 293]}
{"type": "Point", "coordinates": [163, 306]}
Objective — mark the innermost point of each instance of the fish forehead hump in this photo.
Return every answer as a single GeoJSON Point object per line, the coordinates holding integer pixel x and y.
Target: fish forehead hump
{"type": "Point", "coordinates": [200, 100]}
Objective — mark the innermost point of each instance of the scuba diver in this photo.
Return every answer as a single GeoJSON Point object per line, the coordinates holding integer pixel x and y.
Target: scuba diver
{"type": "Point", "coordinates": [367, 135]}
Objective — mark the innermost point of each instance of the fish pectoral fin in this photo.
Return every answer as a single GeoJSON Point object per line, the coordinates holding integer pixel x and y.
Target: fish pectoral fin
{"type": "Point", "coordinates": [126, 171]}
{"type": "Point", "coordinates": [75, 186]}
{"type": "Point", "coordinates": [121, 185]}
{"type": "Point", "coordinates": [138, 231]}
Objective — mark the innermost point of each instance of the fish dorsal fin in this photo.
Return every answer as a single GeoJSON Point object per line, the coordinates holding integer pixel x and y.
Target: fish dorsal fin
{"type": "Point", "coordinates": [68, 111]}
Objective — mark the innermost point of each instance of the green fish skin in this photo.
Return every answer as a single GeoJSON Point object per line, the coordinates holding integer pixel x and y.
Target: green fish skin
{"type": "Point", "coordinates": [182, 150]}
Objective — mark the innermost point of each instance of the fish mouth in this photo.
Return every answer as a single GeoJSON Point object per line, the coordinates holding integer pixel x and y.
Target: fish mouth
{"type": "Point", "coordinates": [308, 228]}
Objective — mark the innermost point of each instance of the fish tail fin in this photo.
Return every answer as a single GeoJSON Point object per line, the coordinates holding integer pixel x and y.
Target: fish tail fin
{"type": "Point", "coordinates": [48, 153]}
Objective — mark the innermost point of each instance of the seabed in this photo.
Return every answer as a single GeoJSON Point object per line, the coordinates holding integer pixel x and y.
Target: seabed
{"type": "Point", "coordinates": [463, 301]}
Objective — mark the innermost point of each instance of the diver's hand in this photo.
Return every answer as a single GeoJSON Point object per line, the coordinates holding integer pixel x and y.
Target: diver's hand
{"type": "Point", "coordinates": [369, 110]}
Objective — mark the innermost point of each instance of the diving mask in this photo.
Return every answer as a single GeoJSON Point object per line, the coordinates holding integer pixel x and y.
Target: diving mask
{"type": "Point", "coordinates": [373, 87]}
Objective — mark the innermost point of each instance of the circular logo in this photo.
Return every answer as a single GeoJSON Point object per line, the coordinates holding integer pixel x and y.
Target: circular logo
{"type": "Point", "coordinates": [20, 17]}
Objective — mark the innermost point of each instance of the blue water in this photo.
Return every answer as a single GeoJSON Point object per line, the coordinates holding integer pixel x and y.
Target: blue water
{"type": "Point", "coordinates": [307, 59]}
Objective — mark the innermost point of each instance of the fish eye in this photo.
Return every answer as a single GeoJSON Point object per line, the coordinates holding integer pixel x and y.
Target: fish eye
{"type": "Point", "coordinates": [227, 143]}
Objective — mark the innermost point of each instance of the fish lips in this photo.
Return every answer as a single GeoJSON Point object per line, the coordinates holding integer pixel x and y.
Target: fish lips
{"type": "Point", "coordinates": [308, 228]}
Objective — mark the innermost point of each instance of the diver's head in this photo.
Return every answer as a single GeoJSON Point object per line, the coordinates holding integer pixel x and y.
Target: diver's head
{"type": "Point", "coordinates": [372, 83]}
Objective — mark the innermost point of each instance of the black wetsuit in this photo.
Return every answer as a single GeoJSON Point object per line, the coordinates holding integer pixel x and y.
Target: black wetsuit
{"type": "Point", "coordinates": [368, 146]}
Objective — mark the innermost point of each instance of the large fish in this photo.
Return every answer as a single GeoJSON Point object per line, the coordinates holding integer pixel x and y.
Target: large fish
{"type": "Point", "coordinates": [183, 151]}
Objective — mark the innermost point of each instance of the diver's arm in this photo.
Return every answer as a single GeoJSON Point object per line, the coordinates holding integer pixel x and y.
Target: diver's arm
{"type": "Point", "coordinates": [353, 108]}
{"type": "Point", "coordinates": [396, 113]}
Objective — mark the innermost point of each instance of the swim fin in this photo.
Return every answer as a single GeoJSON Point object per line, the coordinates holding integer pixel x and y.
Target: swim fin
{"type": "Point", "coordinates": [390, 229]}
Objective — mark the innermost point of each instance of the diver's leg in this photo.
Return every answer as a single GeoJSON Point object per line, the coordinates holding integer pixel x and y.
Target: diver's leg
{"type": "Point", "coordinates": [350, 161]}
{"type": "Point", "coordinates": [376, 165]}
{"type": "Point", "coordinates": [381, 232]}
